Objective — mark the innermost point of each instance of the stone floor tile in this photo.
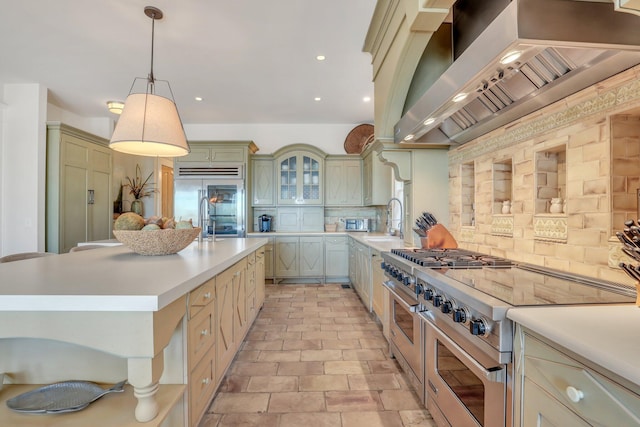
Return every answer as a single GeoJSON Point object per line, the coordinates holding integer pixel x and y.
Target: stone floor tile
{"type": "Point", "coordinates": [364, 354]}
{"type": "Point", "coordinates": [318, 320]}
{"type": "Point", "coordinates": [346, 367]}
{"type": "Point", "coordinates": [272, 383]}
{"type": "Point", "coordinates": [371, 419]}
{"type": "Point", "coordinates": [309, 419]}
{"type": "Point", "coordinates": [254, 368]}
{"type": "Point", "coordinates": [400, 400]}
{"type": "Point", "coordinates": [373, 382]}
{"type": "Point", "coordinates": [263, 345]}
{"type": "Point", "coordinates": [234, 383]}
{"type": "Point", "coordinates": [417, 418]}
{"type": "Point", "coordinates": [374, 342]}
{"type": "Point", "coordinates": [334, 327]}
{"type": "Point", "coordinates": [210, 420]}
{"type": "Point", "coordinates": [353, 401]}
{"type": "Point", "coordinates": [323, 382]}
{"type": "Point", "coordinates": [247, 420]}
{"type": "Point", "coordinates": [320, 355]}
{"type": "Point", "coordinates": [384, 366]}
{"type": "Point", "coordinates": [283, 336]}
{"type": "Point", "coordinates": [341, 344]}
{"type": "Point", "coordinates": [285, 321]}
{"type": "Point", "coordinates": [301, 368]}
{"type": "Point", "coordinates": [302, 327]}
{"type": "Point", "coordinates": [280, 356]}
{"type": "Point", "coordinates": [303, 315]}
{"type": "Point", "coordinates": [333, 314]}
{"type": "Point", "coordinates": [350, 335]}
{"type": "Point", "coordinates": [296, 402]}
{"type": "Point", "coordinates": [256, 335]}
{"type": "Point", "coordinates": [233, 403]}
{"type": "Point", "coordinates": [270, 328]}
{"type": "Point", "coordinates": [248, 355]}
{"type": "Point", "coordinates": [320, 335]}
{"type": "Point", "coordinates": [303, 344]}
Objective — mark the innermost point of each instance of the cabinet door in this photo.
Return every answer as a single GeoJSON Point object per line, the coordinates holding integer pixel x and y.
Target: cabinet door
{"type": "Point", "coordinates": [376, 181]}
{"type": "Point", "coordinates": [311, 257]}
{"type": "Point", "coordinates": [541, 409]}
{"type": "Point", "coordinates": [353, 182]}
{"type": "Point", "coordinates": [352, 262]}
{"type": "Point", "coordinates": [197, 155]}
{"type": "Point", "coordinates": [377, 277]}
{"type": "Point", "coordinates": [260, 276]}
{"type": "Point", "coordinates": [336, 256]}
{"type": "Point", "coordinates": [311, 219]}
{"type": "Point", "coordinates": [299, 179]}
{"type": "Point", "coordinates": [262, 188]}
{"type": "Point", "coordinates": [100, 216]}
{"type": "Point", "coordinates": [241, 315]}
{"type": "Point", "coordinates": [311, 180]}
{"type": "Point", "coordinates": [288, 219]}
{"type": "Point", "coordinates": [286, 252]}
{"type": "Point", "coordinates": [363, 274]}
{"type": "Point", "coordinates": [288, 180]}
{"type": "Point", "coordinates": [268, 260]}
{"type": "Point", "coordinates": [335, 185]}
{"type": "Point", "coordinates": [225, 348]}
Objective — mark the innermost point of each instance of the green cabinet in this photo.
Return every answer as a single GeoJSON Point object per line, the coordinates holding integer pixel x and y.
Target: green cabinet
{"type": "Point", "coordinates": [299, 257]}
{"type": "Point", "coordinates": [79, 200]}
{"type": "Point", "coordinates": [219, 152]}
{"type": "Point", "coordinates": [299, 178]}
{"type": "Point", "coordinates": [336, 256]}
{"type": "Point", "coordinates": [262, 184]}
{"type": "Point", "coordinates": [343, 183]}
{"type": "Point", "coordinates": [376, 180]}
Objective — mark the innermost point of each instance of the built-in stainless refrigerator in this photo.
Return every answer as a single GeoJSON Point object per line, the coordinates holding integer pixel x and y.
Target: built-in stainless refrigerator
{"type": "Point", "coordinates": [216, 205]}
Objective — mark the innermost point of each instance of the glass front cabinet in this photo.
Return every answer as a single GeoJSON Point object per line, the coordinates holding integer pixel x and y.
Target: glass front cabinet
{"type": "Point", "coordinates": [299, 179]}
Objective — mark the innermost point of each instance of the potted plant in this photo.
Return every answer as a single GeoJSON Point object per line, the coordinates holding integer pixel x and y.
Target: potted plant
{"type": "Point", "coordinates": [139, 189]}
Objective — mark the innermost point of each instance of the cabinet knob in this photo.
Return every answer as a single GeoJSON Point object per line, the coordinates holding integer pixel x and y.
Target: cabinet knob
{"type": "Point", "coordinates": [574, 394]}
{"type": "Point", "coordinates": [204, 332]}
{"type": "Point", "coordinates": [206, 381]}
{"type": "Point", "coordinates": [207, 295]}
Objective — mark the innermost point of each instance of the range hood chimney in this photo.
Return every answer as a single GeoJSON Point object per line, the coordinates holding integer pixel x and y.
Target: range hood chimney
{"type": "Point", "coordinates": [560, 47]}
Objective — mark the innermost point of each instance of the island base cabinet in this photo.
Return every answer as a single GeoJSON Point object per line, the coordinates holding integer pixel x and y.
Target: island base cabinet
{"type": "Point", "coordinates": [202, 386]}
{"type": "Point", "coordinates": [260, 277]}
{"type": "Point", "coordinates": [225, 350]}
{"type": "Point", "coordinates": [552, 388]}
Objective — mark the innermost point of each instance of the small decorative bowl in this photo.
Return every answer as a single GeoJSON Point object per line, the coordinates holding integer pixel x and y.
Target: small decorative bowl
{"type": "Point", "coordinates": [157, 242]}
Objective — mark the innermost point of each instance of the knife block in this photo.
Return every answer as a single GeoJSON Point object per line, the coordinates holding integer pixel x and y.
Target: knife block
{"type": "Point", "coordinates": [438, 237]}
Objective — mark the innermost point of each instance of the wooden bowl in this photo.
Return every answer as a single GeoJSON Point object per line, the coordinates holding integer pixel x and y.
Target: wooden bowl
{"type": "Point", "coordinates": [157, 242]}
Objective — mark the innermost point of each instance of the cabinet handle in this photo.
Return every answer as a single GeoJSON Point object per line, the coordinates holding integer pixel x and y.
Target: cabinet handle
{"type": "Point", "coordinates": [91, 197]}
{"type": "Point", "coordinates": [204, 332]}
{"type": "Point", "coordinates": [574, 394]}
{"type": "Point", "coordinates": [206, 381]}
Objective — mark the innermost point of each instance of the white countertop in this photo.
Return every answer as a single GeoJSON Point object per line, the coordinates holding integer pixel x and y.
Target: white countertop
{"type": "Point", "coordinates": [115, 278]}
{"type": "Point", "coordinates": [607, 335]}
{"type": "Point", "coordinates": [380, 241]}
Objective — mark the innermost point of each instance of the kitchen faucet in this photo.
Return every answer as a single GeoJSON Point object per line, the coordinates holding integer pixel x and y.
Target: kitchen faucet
{"type": "Point", "coordinates": [201, 217]}
{"type": "Point", "coordinates": [389, 215]}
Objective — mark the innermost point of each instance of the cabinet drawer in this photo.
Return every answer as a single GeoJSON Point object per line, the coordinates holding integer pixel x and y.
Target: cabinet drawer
{"type": "Point", "coordinates": [251, 258]}
{"type": "Point", "coordinates": [596, 398]}
{"type": "Point", "coordinates": [336, 240]}
{"type": "Point", "coordinates": [201, 386]}
{"type": "Point", "coordinates": [201, 296]}
{"type": "Point", "coordinates": [201, 334]}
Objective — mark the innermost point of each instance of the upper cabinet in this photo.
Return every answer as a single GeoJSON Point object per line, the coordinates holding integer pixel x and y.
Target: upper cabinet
{"type": "Point", "coordinates": [343, 181]}
{"type": "Point", "coordinates": [299, 176]}
{"type": "Point", "coordinates": [218, 152]}
{"type": "Point", "coordinates": [376, 180]}
{"type": "Point", "coordinates": [262, 184]}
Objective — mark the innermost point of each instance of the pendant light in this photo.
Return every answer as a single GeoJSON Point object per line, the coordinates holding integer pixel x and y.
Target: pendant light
{"type": "Point", "coordinates": [150, 124]}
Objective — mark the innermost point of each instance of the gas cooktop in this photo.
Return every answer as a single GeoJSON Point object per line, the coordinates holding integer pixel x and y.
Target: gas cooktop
{"type": "Point", "coordinates": [525, 285]}
{"type": "Point", "coordinates": [452, 258]}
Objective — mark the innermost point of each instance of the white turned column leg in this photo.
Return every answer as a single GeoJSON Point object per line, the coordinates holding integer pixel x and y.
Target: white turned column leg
{"type": "Point", "coordinates": [144, 374]}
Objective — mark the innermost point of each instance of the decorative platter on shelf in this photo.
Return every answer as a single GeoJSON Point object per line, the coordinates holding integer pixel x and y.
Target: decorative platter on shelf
{"type": "Point", "coordinates": [358, 138]}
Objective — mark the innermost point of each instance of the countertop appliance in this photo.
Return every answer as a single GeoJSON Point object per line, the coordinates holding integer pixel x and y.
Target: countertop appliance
{"type": "Point", "coordinates": [462, 298]}
{"type": "Point", "coordinates": [357, 224]}
{"type": "Point", "coordinates": [264, 223]}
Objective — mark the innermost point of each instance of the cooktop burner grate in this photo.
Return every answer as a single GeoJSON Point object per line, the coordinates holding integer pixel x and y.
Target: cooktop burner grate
{"type": "Point", "coordinates": [451, 258]}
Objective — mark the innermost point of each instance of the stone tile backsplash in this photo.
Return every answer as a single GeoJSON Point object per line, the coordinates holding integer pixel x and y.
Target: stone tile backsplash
{"type": "Point", "coordinates": [584, 150]}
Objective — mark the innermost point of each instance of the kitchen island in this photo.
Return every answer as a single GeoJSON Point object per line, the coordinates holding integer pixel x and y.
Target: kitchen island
{"type": "Point", "coordinates": [108, 314]}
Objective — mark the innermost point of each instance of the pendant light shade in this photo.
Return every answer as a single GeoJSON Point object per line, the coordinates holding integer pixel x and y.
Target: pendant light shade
{"type": "Point", "coordinates": [150, 123]}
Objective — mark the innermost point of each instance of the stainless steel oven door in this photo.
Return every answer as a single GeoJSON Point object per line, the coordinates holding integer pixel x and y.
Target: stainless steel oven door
{"type": "Point", "coordinates": [464, 391]}
{"type": "Point", "coordinates": [405, 332]}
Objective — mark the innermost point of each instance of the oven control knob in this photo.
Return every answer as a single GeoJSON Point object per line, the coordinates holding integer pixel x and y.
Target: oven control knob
{"type": "Point", "coordinates": [383, 266]}
{"type": "Point", "coordinates": [419, 289]}
{"type": "Point", "coordinates": [446, 307]}
{"type": "Point", "coordinates": [478, 327]}
{"type": "Point", "coordinates": [400, 276]}
{"type": "Point", "coordinates": [407, 280]}
{"type": "Point", "coordinates": [460, 315]}
{"type": "Point", "coordinates": [437, 300]}
{"type": "Point", "coordinates": [428, 294]}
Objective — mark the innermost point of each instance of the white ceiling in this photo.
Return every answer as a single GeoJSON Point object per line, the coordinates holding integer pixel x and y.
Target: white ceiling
{"type": "Point", "coordinates": [253, 61]}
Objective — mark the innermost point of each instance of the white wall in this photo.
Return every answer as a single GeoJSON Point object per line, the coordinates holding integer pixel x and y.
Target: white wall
{"type": "Point", "coordinates": [23, 171]}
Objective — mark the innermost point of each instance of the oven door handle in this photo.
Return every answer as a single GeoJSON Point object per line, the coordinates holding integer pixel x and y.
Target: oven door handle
{"type": "Point", "coordinates": [495, 374]}
{"type": "Point", "coordinates": [409, 305]}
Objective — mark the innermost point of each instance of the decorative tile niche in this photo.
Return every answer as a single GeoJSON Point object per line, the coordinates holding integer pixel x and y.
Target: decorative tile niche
{"type": "Point", "coordinates": [502, 220]}
{"type": "Point", "coordinates": [625, 168]}
{"type": "Point", "coordinates": [468, 193]}
{"type": "Point", "coordinates": [551, 180]}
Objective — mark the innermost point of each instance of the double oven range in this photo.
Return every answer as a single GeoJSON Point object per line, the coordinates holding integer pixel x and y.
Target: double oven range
{"type": "Point", "coordinates": [450, 332]}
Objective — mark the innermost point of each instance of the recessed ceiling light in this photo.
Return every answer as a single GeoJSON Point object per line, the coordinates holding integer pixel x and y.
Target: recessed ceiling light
{"type": "Point", "coordinates": [317, 98]}
{"type": "Point", "coordinates": [460, 97]}
{"type": "Point", "coordinates": [115, 106]}
{"type": "Point", "coordinates": [366, 99]}
{"type": "Point", "coordinates": [198, 98]}
{"type": "Point", "coordinates": [429, 121]}
{"type": "Point", "coordinates": [321, 57]}
{"type": "Point", "coordinates": [510, 57]}
{"type": "Point", "coordinates": [409, 137]}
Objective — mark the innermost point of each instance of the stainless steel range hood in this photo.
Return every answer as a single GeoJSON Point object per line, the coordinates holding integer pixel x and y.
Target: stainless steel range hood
{"type": "Point", "coordinates": [564, 46]}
